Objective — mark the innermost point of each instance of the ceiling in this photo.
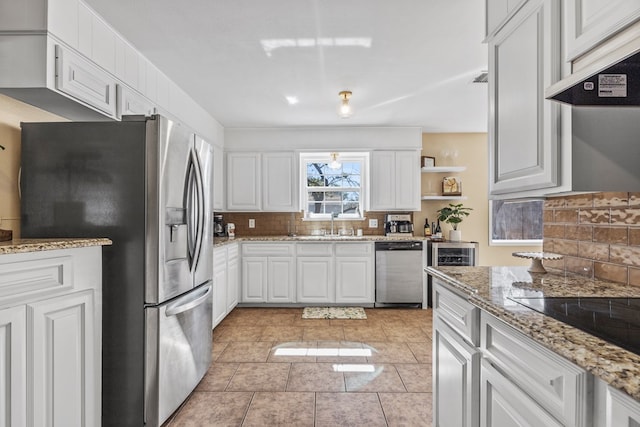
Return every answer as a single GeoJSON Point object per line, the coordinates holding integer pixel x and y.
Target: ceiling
{"type": "Point", "coordinates": [407, 62]}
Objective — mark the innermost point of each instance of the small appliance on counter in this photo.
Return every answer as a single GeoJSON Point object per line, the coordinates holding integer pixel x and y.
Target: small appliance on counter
{"type": "Point", "coordinates": [398, 225]}
{"type": "Point", "coordinates": [218, 226]}
{"type": "Point", "coordinates": [231, 230]}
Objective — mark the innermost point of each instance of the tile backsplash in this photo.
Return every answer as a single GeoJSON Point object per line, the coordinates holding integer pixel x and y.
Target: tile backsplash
{"type": "Point", "coordinates": [598, 234]}
{"type": "Point", "coordinates": [282, 223]}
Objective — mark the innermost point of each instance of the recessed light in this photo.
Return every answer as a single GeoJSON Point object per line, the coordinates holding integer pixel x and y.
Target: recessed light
{"type": "Point", "coordinates": [292, 100]}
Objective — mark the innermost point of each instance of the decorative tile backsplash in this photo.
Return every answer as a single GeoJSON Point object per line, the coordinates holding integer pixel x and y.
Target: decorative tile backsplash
{"type": "Point", "coordinates": [598, 234]}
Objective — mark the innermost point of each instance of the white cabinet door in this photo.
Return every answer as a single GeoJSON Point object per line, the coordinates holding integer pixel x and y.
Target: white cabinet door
{"type": "Point", "coordinates": [243, 182]}
{"type": "Point", "coordinates": [621, 409]}
{"type": "Point", "coordinates": [524, 128]}
{"type": "Point", "coordinates": [280, 182]}
{"type": "Point", "coordinates": [254, 279]}
{"type": "Point", "coordinates": [315, 279]}
{"type": "Point", "coordinates": [456, 378]}
{"type": "Point", "coordinates": [281, 281]}
{"type": "Point", "coordinates": [589, 22]}
{"type": "Point", "coordinates": [220, 278]}
{"type": "Point", "coordinates": [63, 354]}
{"type": "Point", "coordinates": [129, 102]}
{"type": "Point", "coordinates": [13, 367]}
{"type": "Point", "coordinates": [382, 180]}
{"type": "Point", "coordinates": [504, 404]}
{"type": "Point", "coordinates": [354, 280]}
{"type": "Point", "coordinates": [218, 178]}
{"type": "Point", "coordinates": [233, 283]}
{"type": "Point", "coordinates": [407, 191]}
{"type": "Point", "coordinates": [62, 19]}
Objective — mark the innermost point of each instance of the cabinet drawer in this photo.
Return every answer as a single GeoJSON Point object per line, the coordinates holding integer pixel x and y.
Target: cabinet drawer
{"type": "Point", "coordinates": [457, 312]}
{"type": "Point", "coordinates": [267, 249]}
{"type": "Point", "coordinates": [314, 249]}
{"type": "Point", "coordinates": [558, 385]}
{"type": "Point", "coordinates": [354, 249]}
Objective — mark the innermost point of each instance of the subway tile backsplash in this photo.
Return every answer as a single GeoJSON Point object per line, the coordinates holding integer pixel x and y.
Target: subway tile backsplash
{"type": "Point", "coordinates": [598, 234]}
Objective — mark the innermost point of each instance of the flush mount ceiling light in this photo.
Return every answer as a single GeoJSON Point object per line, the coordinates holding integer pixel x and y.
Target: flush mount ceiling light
{"type": "Point", "coordinates": [334, 164]}
{"type": "Point", "coordinates": [345, 111]}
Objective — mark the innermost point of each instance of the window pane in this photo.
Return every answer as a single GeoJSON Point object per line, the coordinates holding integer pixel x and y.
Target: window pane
{"type": "Point", "coordinates": [334, 209]}
{"type": "Point", "coordinates": [351, 181]}
{"type": "Point", "coordinates": [333, 196]}
{"type": "Point", "coordinates": [351, 168]}
{"type": "Point", "coordinates": [350, 196]}
{"type": "Point", "coordinates": [315, 196]}
{"type": "Point", "coordinates": [516, 220]}
{"type": "Point", "coordinates": [315, 207]}
{"type": "Point", "coordinates": [351, 207]}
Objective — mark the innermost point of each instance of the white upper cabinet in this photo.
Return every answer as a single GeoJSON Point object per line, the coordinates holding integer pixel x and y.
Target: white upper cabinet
{"type": "Point", "coordinates": [524, 128]}
{"type": "Point", "coordinates": [244, 189]}
{"type": "Point", "coordinates": [218, 178]}
{"type": "Point", "coordinates": [130, 102]}
{"type": "Point", "coordinates": [497, 13]}
{"type": "Point", "coordinates": [588, 22]}
{"type": "Point", "coordinates": [395, 181]}
{"type": "Point", "coordinates": [280, 182]}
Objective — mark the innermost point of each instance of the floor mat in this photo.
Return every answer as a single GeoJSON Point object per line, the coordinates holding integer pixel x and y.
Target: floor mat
{"type": "Point", "coordinates": [334, 313]}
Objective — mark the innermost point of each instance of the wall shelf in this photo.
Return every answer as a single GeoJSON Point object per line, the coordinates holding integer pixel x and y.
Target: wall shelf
{"type": "Point", "coordinates": [443, 197]}
{"type": "Point", "coordinates": [440, 169]}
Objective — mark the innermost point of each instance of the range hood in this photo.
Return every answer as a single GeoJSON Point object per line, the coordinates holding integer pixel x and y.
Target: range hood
{"type": "Point", "coordinates": [611, 77]}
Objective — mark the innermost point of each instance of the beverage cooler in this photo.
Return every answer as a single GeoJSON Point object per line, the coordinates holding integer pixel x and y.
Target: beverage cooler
{"type": "Point", "coordinates": [447, 254]}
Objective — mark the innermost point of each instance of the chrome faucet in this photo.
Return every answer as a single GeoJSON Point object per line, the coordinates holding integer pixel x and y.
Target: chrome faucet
{"type": "Point", "coordinates": [333, 215]}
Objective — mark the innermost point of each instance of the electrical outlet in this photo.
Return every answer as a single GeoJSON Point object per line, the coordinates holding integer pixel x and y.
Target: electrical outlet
{"type": "Point", "coordinates": [373, 223]}
{"type": "Point", "coordinates": [252, 223]}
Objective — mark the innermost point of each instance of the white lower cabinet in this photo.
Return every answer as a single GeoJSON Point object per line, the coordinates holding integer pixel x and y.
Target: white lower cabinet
{"type": "Point", "coordinates": [225, 281]}
{"type": "Point", "coordinates": [315, 279]}
{"type": "Point", "coordinates": [456, 378]}
{"type": "Point", "coordinates": [50, 338]}
{"type": "Point", "coordinates": [354, 273]}
{"type": "Point", "coordinates": [621, 410]}
{"type": "Point", "coordinates": [268, 272]}
{"type": "Point", "coordinates": [281, 279]}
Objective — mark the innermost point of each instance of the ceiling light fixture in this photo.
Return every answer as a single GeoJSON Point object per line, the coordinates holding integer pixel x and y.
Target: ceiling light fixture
{"type": "Point", "coordinates": [334, 164]}
{"type": "Point", "coordinates": [345, 111]}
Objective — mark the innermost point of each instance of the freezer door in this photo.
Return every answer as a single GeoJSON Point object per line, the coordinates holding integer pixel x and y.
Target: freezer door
{"type": "Point", "coordinates": [172, 146]}
{"type": "Point", "coordinates": [202, 266]}
{"type": "Point", "coordinates": [178, 351]}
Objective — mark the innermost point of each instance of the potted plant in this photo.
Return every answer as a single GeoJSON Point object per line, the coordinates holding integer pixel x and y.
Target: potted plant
{"type": "Point", "coordinates": [453, 214]}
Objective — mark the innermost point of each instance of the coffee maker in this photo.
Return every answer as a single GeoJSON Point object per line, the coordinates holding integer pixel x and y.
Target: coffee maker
{"type": "Point", "coordinates": [398, 225]}
{"type": "Point", "coordinates": [218, 226]}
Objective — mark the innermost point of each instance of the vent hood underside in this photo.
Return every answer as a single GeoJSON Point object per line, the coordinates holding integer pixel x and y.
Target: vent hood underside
{"type": "Point", "coordinates": [611, 79]}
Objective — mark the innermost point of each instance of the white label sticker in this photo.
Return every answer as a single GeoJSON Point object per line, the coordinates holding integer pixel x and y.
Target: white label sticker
{"type": "Point", "coordinates": [612, 85]}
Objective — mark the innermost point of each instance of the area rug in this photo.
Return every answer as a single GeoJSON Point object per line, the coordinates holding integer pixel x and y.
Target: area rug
{"type": "Point", "coordinates": [334, 313]}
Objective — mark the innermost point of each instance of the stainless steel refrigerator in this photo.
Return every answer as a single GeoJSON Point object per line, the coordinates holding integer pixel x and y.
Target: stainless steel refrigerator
{"type": "Point", "coordinates": [144, 183]}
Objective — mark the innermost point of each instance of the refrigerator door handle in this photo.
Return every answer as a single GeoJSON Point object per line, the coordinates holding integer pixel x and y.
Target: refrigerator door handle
{"type": "Point", "coordinates": [190, 202]}
{"type": "Point", "coordinates": [199, 207]}
{"type": "Point", "coordinates": [188, 302]}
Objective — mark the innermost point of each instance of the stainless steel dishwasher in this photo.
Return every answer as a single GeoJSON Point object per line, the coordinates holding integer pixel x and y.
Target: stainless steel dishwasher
{"type": "Point", "coordinates": [399, 267]}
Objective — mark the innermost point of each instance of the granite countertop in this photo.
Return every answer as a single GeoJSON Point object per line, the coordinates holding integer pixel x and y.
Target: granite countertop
{"type": "Point", "coordinates": [220, 241]}
{"type": "Point", "coordinates": [490, 287]}
{"type": "Point", "coordinates": [36, 245]}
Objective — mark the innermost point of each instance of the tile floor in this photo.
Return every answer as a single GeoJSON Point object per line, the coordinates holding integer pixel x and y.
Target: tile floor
{"type": "Point", "coordinates": [271, 367]}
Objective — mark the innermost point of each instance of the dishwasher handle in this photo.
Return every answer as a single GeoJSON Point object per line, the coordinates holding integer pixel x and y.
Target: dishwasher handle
{"type": "Point", "coordinates": [399, 246]}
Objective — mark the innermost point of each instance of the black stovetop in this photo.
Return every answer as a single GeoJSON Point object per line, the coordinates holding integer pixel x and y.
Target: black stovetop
{"type": "Point", "coordinates": [616, 320]}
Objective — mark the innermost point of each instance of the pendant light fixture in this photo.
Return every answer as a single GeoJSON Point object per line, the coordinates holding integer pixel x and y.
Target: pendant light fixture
{"type": "Point", "coordinates": [334, 164]}
{"type": "Point", "coordinates": [345, 111]}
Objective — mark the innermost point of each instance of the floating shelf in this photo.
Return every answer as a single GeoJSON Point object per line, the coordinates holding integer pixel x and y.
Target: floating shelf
{"type": "Point", "coordinates": [444, 197]}
{"type": "Point", "coordinates": [439, 169]}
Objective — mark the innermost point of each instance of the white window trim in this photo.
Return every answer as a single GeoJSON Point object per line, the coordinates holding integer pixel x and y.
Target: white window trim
{"type": "Point", "coordinates": [322, 158]}
{"type": "Point", "coordinates": [508, 242]}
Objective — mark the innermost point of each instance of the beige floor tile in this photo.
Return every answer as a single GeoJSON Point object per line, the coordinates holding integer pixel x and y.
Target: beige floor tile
{"type": "Point", "coordinates": [416, 377]}
{"type": "Point", "coordinates": [278, 319]}
{"type": "Point", "coordinates": [293, 352]}
{"type": "Point", "coordinates": [422, 351]}
{"type": "Point", "coordinates": [407, 409]}
{"type": "Point", "coordinates": [341, 352]}
{"type": "Point", "coordinates": [383, 378]}
{"type": "Point", "coordinates": [260, 377]}
{"type": "Point", "coordinates": [320, 333]}
{"type": "Point", "coordinates": [281, 409]}
{"type": "Point", "coordinates": [217, 377]}
{"type": "Point", "coordinates": [299, 321]}
{"type": "Point", "coordinates": [405, 334]}
{"type": "Point", "coordinates": [363, 334]}
{"type": "Point", "coordinates": [246, 352]}
{"type": "Point", "coordinates": [218, 409]}
{"type": "Point", "coordinates": [348, 322]}
{"type": "Point", "coordinates": [218, 348]}
{"type": "Point", "coordinates": [391, 352]}
{"type": "Point", "coordinates": [282, 333]}
{"type": "Point", "coordinates": [348, 409]}
{"type": "Point", "coordinates": [241, 333]}
{"type": "Point", "coordinates": [315, 377]}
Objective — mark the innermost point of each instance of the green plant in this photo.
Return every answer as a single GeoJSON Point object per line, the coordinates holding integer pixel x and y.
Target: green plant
{"type": "Point", "coordinates": [453, 214]}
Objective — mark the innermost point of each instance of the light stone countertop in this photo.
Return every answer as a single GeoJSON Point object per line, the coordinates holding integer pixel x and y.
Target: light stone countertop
{"type": "Point", "coordinates": [221, 241]}
{"type": "Point", "coordinates": [36, 245]}
{"type": "Point", "coordinates": [490, 287]}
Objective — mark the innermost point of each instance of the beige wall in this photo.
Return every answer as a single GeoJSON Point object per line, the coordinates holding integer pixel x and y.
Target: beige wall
{"type": "Point", "coordinates": [470, 150]}
{"type": "Point", "coordinates": [13, 112]}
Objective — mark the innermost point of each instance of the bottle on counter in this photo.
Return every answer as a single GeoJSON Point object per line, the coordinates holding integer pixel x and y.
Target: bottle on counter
{"type": "Point", "coordinates": [438, 231]}
{"type": "Point", "coordinates": [427, 228]}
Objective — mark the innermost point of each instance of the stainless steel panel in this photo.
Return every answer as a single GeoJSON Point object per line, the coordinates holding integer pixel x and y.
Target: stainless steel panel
{"type": "Point", "coordinates": [399, 276]}
{"type": "Point", "coordinates": [178, 351]}
{"type": "Point", "coordinates": [203, 270]}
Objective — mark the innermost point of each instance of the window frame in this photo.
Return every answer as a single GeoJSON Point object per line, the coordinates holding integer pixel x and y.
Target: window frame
{"type": "Point", "coordinates": [512, 242]}
{"type": "Point", "coordinates": [323, 157]}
